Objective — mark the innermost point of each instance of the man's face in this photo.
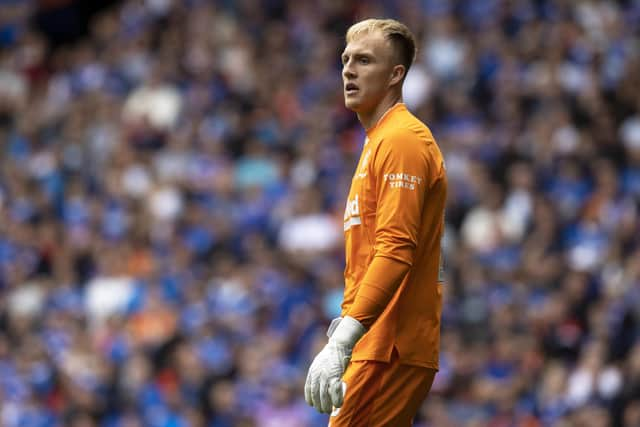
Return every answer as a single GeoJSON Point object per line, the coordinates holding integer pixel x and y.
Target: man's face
{"type": "Point", "coordinates": [367, 66]}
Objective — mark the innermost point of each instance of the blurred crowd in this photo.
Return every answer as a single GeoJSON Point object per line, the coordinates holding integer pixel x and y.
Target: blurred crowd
{"type": "Point", "coordinates": [172, 186]}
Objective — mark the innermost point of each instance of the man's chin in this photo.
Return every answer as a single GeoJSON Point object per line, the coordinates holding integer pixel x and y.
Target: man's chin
{"type": "Point", "coordinates": [352, 104]}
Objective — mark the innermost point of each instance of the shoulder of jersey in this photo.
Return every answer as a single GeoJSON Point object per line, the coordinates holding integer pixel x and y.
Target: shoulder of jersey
{"type": "Point", "coordinates": [407, 129]}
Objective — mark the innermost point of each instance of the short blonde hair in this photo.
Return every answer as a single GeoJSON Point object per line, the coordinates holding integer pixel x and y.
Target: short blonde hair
{"type": "Point", "coordinates": [392, 30]}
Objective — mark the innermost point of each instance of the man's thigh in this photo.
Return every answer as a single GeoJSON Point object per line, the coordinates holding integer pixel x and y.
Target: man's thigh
{"type": "Point", "coordinates": [382, 394]}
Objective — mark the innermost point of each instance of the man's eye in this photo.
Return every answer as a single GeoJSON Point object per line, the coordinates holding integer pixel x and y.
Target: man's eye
{"type": "Point", "coordinates": [364, 60]}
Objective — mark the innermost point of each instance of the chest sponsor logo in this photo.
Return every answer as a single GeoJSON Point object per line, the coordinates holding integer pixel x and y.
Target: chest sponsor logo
{"type": "Point", "coordinates": [352, 213]}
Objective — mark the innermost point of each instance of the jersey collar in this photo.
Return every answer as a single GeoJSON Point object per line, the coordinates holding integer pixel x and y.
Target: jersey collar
{"type": "Point", "coordinates": [394, 107]}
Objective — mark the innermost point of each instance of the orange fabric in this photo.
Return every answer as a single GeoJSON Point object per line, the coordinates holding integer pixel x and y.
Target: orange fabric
{"type": "Point", "coordinates": [395, 210]}
{"type": "Point", "coordinates": [380, 394]}
{"type": "Point", "coordinates": [378, 286]}
{"type": "Point", "coordinates": [141, 263]}
{"type": "Point", "coordinates": [152, 326]}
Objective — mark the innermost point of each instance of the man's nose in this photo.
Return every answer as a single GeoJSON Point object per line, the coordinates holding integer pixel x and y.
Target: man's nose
{"type": "Point", "coordinates": [347, 71]}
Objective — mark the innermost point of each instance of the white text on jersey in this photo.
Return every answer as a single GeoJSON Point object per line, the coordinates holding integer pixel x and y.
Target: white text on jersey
{"type": "Point", "coordinates": [352, 213]}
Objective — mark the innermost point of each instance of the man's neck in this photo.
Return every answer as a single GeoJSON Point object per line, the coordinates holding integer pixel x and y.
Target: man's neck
{"type": "Point", "coordinates": [370, 119]}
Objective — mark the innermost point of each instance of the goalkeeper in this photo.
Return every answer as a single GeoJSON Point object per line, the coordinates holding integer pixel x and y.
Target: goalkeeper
{"type": "Point", "coordinates": [382, 354]}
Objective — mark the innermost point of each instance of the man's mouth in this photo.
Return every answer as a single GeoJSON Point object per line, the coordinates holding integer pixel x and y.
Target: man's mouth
{"type": "Point", "coordinates": [350, 88]}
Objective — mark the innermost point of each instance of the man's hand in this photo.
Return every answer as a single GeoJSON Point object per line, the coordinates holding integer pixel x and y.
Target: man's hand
{"type": "Point", "coordinates": [323, 388]}
{"type": "Point", "coordinates": [333, 326]}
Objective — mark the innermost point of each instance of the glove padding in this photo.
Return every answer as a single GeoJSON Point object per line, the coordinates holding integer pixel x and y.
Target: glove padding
{"type": "Point", "coordinates": [323, 388]}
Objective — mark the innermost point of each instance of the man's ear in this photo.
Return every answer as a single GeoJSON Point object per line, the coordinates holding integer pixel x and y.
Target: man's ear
{"type": "Point", "coordinates": [397, 74]}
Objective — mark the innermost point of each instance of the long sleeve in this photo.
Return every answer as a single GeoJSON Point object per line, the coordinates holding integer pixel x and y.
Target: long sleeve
{"type": "Point", "coordinates": [401, 173]}
{"type": "Point", "coordinates": [381, 281]}
{"type": "Point", "coordinates": [402, 177]}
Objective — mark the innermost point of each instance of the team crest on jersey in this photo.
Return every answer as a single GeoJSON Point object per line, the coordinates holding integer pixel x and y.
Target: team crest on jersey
{"type": "Point", "coordinates": [352, 213]}
{"type": "Point", "coordinates": [362, 171]}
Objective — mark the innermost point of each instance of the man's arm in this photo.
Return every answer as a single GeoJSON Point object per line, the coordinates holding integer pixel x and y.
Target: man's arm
{"type": "Point", "coordinates": [401, 171]}
{"type": "Point", "coordinates": [380, 282]}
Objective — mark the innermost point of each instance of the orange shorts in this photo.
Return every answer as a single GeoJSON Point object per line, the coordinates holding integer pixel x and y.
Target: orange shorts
{"type": "Point", "coordinates": [382, 394]}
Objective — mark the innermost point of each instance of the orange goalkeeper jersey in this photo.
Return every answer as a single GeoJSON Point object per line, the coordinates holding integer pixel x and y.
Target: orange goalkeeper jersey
{"type": "Point", "coordinates": [395, 209]}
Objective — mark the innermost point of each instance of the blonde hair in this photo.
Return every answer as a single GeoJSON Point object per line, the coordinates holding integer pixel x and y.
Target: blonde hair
{"type": "Point", "coordinates": [392, 30]}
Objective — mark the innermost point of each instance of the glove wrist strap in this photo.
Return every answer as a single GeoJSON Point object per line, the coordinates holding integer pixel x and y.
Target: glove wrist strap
{"type": "Point", "coordinates": [348, 332]}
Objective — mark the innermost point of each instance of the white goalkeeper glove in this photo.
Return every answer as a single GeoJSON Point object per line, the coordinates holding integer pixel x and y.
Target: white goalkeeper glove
{"type": "Point", "coordinates": [323, 388]}
{"type": "Point", "coordinates": [332, 326]}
